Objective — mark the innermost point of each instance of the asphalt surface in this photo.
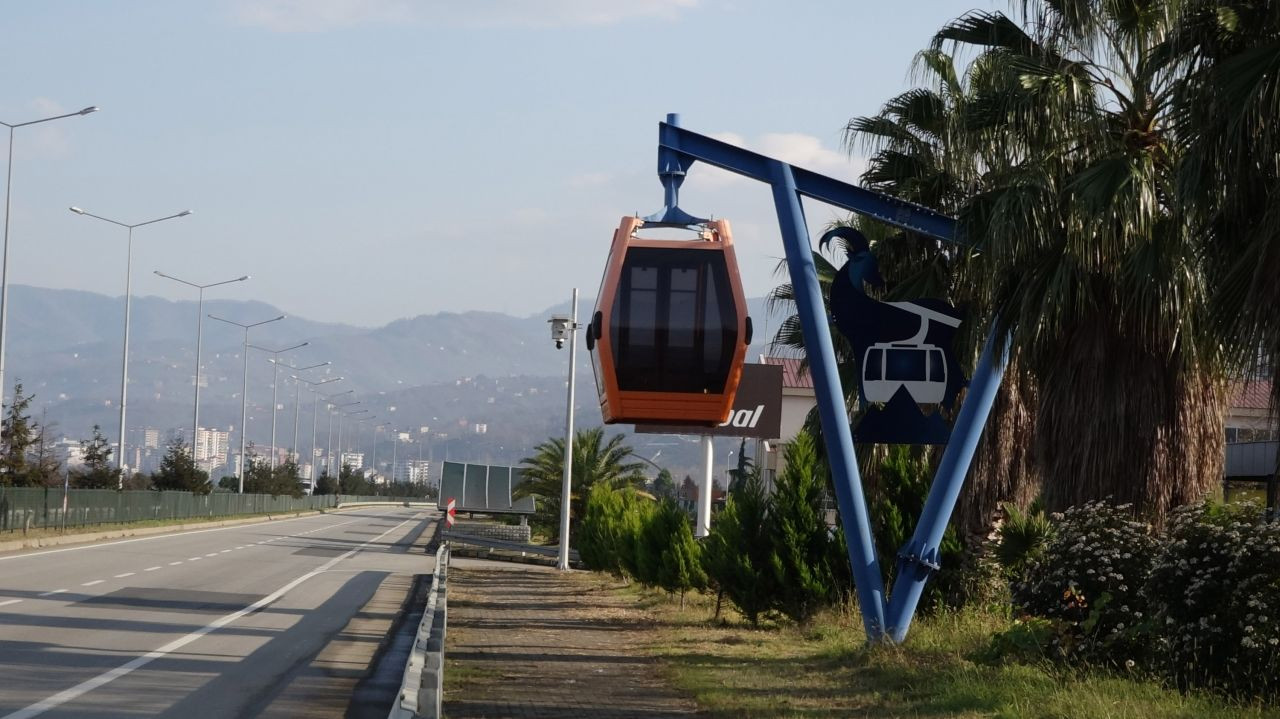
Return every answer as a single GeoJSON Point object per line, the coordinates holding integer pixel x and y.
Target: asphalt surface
{"type": "Point", "coordinates": [208, 623]}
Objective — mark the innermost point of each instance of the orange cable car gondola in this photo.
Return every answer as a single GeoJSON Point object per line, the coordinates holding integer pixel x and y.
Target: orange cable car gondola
{"type": "Point", "coordinates": [670, 330]}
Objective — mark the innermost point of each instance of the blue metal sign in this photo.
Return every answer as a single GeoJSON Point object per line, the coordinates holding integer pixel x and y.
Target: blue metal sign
{"type": "Point", "coordinates": [903, 351]}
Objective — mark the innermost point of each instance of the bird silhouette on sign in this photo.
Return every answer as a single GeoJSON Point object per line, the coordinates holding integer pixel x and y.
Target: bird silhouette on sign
{"type": "Point", "coordinates": [903, 350]}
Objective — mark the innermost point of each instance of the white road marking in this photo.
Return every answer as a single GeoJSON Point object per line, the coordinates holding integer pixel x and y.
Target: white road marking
{"type": "Point", "coordinates": [90, 584]}
{"type": "Point", "coordinates": [174, 564]}
{"type": "Point", "coordinates": [126, 574]}
{"type": "Point", "coordinates": [56, 591]}
{"type": "Point", "coordinates": [89, 685]}
{"type": "Point", "coordinates": [211, 554]}
{"type": "Point", "coordinates": [7, 602]}
{"type": "Point", "coordinates": [152, 569]}
{"type": "Point", "coordinates": [194, 559]}
{"type": "Point", "coordinates": [240, 547]}
{"type": "Point", "coordinates": [223, 551]}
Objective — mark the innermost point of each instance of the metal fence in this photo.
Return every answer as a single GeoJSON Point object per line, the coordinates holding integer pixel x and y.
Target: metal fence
{"type": "Point", "coordinates": [23, 508]}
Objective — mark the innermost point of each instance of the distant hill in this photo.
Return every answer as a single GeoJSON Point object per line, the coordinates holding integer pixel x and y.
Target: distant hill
{"type": "Point", "coordinates": [445, 370]}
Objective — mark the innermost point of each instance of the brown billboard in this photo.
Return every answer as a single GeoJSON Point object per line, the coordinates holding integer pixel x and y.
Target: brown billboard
{"type": "Point", "coordinates": [757, 408]}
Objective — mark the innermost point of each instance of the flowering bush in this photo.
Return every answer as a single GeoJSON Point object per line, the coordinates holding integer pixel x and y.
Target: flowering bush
{"type": "Point", "coordinates": [1214, 596]}
{"type": "Point", "coordinates": [1087, 582]}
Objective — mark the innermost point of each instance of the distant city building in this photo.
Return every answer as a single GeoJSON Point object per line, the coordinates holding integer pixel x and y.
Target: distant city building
{"type": "Point", "coordinates": [211, 448]}
{"type": "Point", "coordinates": [480, 428]}
{"type": "Point", "coordinates": [70, 452]}
{"type": "Point", "coordinates": [151, 438]}
{"type": "Point", "coordinates": [355, 460]}
{"type": "Point", "coordinates": [418, 471]}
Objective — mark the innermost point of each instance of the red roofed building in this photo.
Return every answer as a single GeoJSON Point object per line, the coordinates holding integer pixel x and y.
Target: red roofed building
{"type": "Point", "coordinates": [1248, 416]}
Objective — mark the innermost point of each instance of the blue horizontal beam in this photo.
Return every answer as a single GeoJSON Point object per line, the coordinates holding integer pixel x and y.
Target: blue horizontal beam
{"type": "Point", "coordinates": [686, 145]}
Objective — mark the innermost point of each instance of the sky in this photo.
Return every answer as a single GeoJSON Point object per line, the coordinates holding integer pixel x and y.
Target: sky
{"type": "Point", "coordinates": [369, 160]}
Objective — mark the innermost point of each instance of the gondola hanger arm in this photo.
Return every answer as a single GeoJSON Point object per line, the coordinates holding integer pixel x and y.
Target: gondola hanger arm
{"type": "Point", "coordinates": [679, 148]}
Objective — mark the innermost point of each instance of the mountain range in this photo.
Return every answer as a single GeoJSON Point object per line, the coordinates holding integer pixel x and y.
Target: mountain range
{"type": "Point", "coordinates": [446, 371]}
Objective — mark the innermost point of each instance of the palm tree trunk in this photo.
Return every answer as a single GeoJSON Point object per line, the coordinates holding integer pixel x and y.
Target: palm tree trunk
{"type": "Point", "coordinates": [1119, 421]}
{"type": "Point", "coordinates": [1004, 468]}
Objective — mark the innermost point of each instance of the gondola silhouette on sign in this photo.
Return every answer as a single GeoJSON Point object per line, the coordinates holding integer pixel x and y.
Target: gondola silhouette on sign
{"type": "Point", "coordinates": [669, 334]}
{"type": "Point", "coordinates": [903, 350]}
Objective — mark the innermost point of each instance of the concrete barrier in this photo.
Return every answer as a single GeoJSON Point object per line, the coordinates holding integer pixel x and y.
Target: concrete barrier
{"type": "Point", "coordinates": [422, 688]}
{"type": "Point", "coordinates": [489, 530]}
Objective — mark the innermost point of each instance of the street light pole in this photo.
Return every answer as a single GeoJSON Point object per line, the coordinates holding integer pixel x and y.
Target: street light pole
{"type": "Point", "coordinates": [395, 446]}
{"type": "Point", "coordinates": [360, 435]}
{"type": "Point", "coordinates": [563, 328]}
{"type": "Point", "coordinates": [328, 410]}
{"type": "Point", "coordinates": [275, 380]}
{"type": "Point", "coordinates": [297, 402]}
{"type": "Point", "coordinates": [329, 451]}
{"type": "Point", "coordinates": [244, 388]}
{"type": "Point", "coordinates": [195, 415]}
{"type": "Point", "coordinates": [341, 421]}
{"type": "Point", "coordinates": [375, 446]}
{"type": "Point", "coordinates": [128, 302]}
{"type": "Point", "coordinates": [4, 269]}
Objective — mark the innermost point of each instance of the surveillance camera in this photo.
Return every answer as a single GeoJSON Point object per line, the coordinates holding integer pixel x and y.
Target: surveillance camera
{"type": "Point", "coordinates": [559, 344]}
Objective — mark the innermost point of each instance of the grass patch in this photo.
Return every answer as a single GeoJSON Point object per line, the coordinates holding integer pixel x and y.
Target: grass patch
{"type": "Point", "coordinates": [824, 670]}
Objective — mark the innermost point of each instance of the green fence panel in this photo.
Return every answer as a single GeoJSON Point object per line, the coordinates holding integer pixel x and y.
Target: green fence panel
{"type": "Point", "coordinates": [25, 508]}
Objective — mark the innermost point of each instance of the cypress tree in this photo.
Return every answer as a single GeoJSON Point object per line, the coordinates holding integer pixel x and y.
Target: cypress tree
{"type": "Point", "coordinates": [801, 558]}
{"type": "Point", "coordinates": [736, 556]}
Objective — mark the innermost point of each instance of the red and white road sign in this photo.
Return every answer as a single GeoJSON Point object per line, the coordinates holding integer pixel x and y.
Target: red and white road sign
{"type": "Point", "coordinates": [451, 509]}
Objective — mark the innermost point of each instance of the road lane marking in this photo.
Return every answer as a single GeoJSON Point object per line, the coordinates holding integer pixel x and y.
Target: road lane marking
{"type": "Point", "coordinates": [107, 677]}
{"type": "Point", "coordinates": [56, 591]}
{"type": "Point", "coordinates": [240, 547]}
{"type": "Point", "coordinates": [7, 602]}
{"type": "Point", "coordinates": [126, 574]}
{"type": "Point", "coordinates": [174, 564]}
{"type": "Point", "coordinates": [175, 534]}
{"type": "Point", "coordinates": [194, 559]}
{"type": "Point", "coordinates": [224, 551]}
{"type": "Point", "coordinates": [90, 584]}
{"type": "Point", "coordinates": [152, 569]}
{"type": "Point", "coordinates": [211, 554]}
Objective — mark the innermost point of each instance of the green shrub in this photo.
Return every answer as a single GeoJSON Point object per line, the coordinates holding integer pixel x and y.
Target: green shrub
{"type": "Point", "coordinates": [1088, 580]}
{"type": "Point", "coordinates": [905, 477]}
{"type": "Point", "coordinates": [1214, 598]}
{"type": "Point", "coordinates": [1022, 539]}
{"type": "Point", "coordinates": [801, 558]}
{"type": "Point", "coordinates": [599, 538]}
{"type": "Point", "coordinates": [666, 554]}
{"type": "Point", "coordinates": [736, 555]}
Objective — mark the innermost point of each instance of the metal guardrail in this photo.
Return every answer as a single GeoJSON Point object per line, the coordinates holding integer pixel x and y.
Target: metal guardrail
{"type": "Point", "coordinates": [422, 689]}
{"type": "Point", "coordinates": [23, 508]}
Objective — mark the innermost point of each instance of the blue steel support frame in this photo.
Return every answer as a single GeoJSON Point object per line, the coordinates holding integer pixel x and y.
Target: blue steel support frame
{"type": "Point", "coordinates": [677, 150]}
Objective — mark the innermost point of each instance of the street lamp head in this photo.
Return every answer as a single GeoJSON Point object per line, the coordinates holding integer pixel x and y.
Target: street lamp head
{"type": "Point", "coordinates": [87, 110]}
{"type": "Point", "coordinates": [184, 213]}
{"type": "Point", "coordinates": [77, 210]}
{"type": "Point", "coordinates": [242, 279]}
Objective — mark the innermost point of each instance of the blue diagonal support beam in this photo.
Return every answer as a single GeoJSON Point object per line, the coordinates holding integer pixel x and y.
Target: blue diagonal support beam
{"type": "Point", "coordinates": [678, 149]}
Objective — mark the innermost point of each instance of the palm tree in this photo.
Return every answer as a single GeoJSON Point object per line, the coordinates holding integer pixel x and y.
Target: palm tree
{"type": "Point", "coordinates": [1084, 255]}
{"type": "Point", "coordinates": [1227, 108]}
{"type": "Point", "coordinates": [595, 461]}
{"type": "Point", "coordinates": [909, 141]}
{"type": "Point", "coordinates": [913, 158]}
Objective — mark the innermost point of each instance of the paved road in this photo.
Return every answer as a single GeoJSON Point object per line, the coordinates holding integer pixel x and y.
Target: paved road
{"type": "Point", "coordinates": [210, 623]}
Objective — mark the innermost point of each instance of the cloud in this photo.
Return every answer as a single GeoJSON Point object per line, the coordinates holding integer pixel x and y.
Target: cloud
{"type": "Point", "coordinates": [320, 15]}
{"type": "Point", "coordinates": [793, 148]}
{"type": "Point", "coordinates": [325, 15]}
{"type": "Point", "coordinates": [46, 139]}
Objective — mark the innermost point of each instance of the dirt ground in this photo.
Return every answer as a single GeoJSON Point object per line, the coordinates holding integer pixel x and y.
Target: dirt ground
{"type": "Point", "coordinates": [529, 641]}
